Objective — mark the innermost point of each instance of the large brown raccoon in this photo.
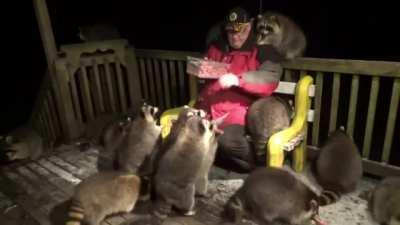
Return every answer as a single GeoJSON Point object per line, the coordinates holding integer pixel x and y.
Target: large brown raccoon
{"type": "Point", "coordinates": [384, 202]}
{"type": "Point", "coordinates": [338, 168]}
{"type": "Point", "coordinates": [273, 195]}
{"type": "Point", "coordinates": [103, 194]}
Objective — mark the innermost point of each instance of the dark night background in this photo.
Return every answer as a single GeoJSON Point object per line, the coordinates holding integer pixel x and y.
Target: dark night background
{"type": "Point", "coordinates": [334, 29]}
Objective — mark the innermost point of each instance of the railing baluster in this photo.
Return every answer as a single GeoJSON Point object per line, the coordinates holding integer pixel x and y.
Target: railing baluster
{"type": "Point", "coordinates": [174, 95]}
{"type": "Point", "coordinates": [97, 87]}
{"type": "Point", "coordinates": [181, 78]}
{"type": "Point", "coordinates": [370, 116]}
{"type": "Point", "coordinates": [334, 102]}
{"type": "Point", "coordinates": [317, 107]}
{"type": "Point", "coordinates": [167, 90]}
{"type": "Point", "coordinates": [143, 78]}
{"type": "Point", "coordinates": [121, 86]}
{"type": "Point", "coordinates": [85, 91]}
{"type": "Point", "coordinates": [109, 84]}
{"type": "Point", "coordinates": [157, 76]}
{"type": "Point", "coordinates": [393, 109]}
{"type": "Point", "coordinates": [352, 105]}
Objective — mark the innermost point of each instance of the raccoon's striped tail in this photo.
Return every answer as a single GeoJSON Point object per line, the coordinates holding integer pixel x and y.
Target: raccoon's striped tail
{"type": "Point", "coordinates": [75, 213]}
{"type": "Point", "coordinates": [328, 197]}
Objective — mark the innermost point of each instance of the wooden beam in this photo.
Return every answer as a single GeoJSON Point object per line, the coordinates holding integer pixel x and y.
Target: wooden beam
{"type": "Point", "coordinates": [46, 32]}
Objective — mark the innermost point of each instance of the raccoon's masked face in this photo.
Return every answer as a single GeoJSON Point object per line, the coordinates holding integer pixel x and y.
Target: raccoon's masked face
{"type": "Point", "coordinates": [314, 211]}
{"type": "Point", "coordinates": [16, 151]}
{"type": "Point", "coordinates": [268, 29]}
{"type": "Point", "coordinates": [149, 112]}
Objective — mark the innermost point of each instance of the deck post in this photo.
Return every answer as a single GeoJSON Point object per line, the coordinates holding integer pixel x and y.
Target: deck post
{"type": "Point", "coordinates": [46, 32]}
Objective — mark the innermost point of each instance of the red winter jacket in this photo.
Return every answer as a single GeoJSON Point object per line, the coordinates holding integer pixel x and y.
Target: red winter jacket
{"type": "Point", "coordinates": [253, 83]}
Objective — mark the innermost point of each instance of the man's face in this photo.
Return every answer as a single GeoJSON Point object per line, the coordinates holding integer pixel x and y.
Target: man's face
{"type": "Point", "coordinates": [236, 39]}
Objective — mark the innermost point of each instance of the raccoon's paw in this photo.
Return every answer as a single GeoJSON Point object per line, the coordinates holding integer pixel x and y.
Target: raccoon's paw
{"type": "Point", "coordinates": [190, 213]}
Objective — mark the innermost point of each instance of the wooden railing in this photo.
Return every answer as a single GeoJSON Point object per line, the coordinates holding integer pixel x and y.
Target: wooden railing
{"type": "Point", "coordinates": [362, 96]}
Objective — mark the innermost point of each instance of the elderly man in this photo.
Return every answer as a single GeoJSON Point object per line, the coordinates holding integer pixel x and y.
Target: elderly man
{"type": "Point", "coordinates": [254, 72]}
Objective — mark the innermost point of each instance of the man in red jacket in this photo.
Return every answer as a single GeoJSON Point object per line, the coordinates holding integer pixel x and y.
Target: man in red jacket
{"type": "Point", "coordinates": [255, 72]}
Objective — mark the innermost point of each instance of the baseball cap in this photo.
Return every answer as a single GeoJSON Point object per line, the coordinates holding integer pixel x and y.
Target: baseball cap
{"type": "Point", "coordinates": [236, 19]}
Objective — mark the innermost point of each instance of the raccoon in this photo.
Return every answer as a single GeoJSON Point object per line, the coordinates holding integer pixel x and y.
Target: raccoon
{"type": "Point", "coordinates": [384, 202]}
{"type": "Point", "coordinates": [184, 158]}
{"type": "Point", "coordinates": [265, 117]}
{"type": "Point", "coordinates": [140, 145]}
{"type": "Point", "coordinates": [338, 167]}
{"type": "Point", "coordinates": [112, 138]}
{"type": "Point", "coordinates": [103, 194]}
{"type": "Point", "coordinates": [23, 143]}
{"type": "Point", "coordinates": [93, 131]}
{"type": "Point", "coordinates": [273, 195]}
{"type": "Point", "coordinates": [280, 31]}
{"type": "Point", "coordinates": [98, 32]}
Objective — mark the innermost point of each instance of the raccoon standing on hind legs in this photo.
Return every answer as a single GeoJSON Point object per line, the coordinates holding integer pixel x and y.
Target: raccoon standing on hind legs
{"type": "Point", "coordinates": [183, 161]}
{"type": "Point", "coordinates": [281, 32]}
{"type": "Point", "coordinates": [141, 142]}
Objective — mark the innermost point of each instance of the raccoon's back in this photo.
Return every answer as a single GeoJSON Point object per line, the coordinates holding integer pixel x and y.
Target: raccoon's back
{"type": "Point", "coordinates": [385, 199]}
{"type": "Point", "coordinates": [30, 143]}
{"type": "Point", "coordinates": [293, 40]}
{"type": "Point", "coordinates": [181, 162]}
{"type": "Point", "coordinates": [339, 166]}
{"type": "Point", "coordinates": [275, 191]}
{"type": "Point", "coordinates": [112, 189]}
{"type": "Point", "coordinates": [267, 116]}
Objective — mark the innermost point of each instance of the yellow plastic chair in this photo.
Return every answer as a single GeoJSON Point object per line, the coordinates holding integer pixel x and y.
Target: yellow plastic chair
{"type": "Point", "coordinates": [294, 137]}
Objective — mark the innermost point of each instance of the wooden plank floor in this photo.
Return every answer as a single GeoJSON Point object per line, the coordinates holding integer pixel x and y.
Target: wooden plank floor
{"type": "Point", "coordinates": [44, 187]}
{"type": "Point", "coordinates": [48, 184]}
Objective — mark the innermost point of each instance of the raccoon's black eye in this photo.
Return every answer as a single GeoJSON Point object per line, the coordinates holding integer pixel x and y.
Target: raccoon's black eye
{"type": "Point", "coordinates": [269, 28]}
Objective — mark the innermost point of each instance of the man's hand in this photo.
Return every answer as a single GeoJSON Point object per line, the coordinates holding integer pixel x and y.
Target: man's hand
{"type": "Point", "coordinates": [228, 80]}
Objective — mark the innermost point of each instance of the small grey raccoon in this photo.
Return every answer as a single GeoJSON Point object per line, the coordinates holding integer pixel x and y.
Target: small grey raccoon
{"type": "Point", "coordinates": [280, 31]}
{"type": "Point", "coordinates": [98, 32]}
{"type": "Point", "coordinates": [384, 203]}
{"type": "Point", "coordinates": [338, 167]}
{"type": "Point", "coordinates": [265, 117]}
{"type": "Point", "coordinates": [99, 130]}
{"type": "Point", "coordinates": [103, 194]}
{"type": "Point", "coordinates": [184, 159]}
{"type": "Point", "coordinates": [141, 142]}
{"type": "Point", "coordinates": [271, 195]}
{"type": "Point", "coordinates": [23, 143]}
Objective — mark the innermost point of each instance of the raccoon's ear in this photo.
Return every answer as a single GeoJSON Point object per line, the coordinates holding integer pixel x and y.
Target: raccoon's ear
{"type": "Point", "coordinates": [274, 19]}
{"type": "Point", "coordinates": [259, 16]}
{"type": "Point", "coordinates": [153, 110]}
{"type": "Point", "coordinates": [9, 139]}
{"type": "Point", "coordinates": [10, 155]}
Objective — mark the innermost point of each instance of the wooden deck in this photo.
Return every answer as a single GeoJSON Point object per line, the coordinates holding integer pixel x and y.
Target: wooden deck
{"type": "Point", "coordinates": [44, 188]}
